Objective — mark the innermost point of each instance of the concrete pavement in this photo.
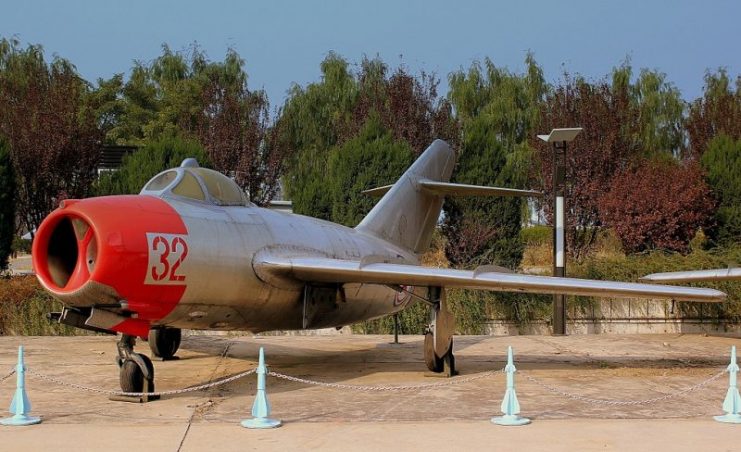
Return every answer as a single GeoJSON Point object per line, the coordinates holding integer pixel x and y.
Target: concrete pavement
{"type": "Point", "coordinates": [457, 417]}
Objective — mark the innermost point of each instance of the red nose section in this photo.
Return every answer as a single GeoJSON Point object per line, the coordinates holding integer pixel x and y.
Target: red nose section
{"type": "Point", "coordinates": [96, 251]}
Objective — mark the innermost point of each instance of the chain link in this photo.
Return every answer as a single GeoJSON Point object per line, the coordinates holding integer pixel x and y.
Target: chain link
{"type": "Point", "coordinates": [451, 382]}
{"type": "Point", "coordinates": [140, 394]}
{"type": "Point", "coordinates": [9, 374]}
{"type": "Point", "coordinates": [616, 402]}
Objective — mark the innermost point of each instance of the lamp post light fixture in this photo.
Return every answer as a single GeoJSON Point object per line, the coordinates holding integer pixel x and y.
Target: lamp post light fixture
{"type": "Point", "coordinates": [558, 139]}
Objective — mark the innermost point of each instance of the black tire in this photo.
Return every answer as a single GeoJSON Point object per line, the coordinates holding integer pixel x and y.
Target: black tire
{"type": "Point", "coordinates": [164, 342]}
{"type": "Point", "coordinates": [131, 376]}
{"type": "Point", "coordinates": [434, 364]}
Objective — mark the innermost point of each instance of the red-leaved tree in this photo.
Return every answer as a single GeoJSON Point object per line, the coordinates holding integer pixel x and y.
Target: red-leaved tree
{"type": "Point", "coordinates": [53, 134]}
{"type": "Point", "coordinates": [657, 204]}
{"type": "Point", "coordinates": [233, 127]}
{"type": "Point", "coordinates": [602, 148]}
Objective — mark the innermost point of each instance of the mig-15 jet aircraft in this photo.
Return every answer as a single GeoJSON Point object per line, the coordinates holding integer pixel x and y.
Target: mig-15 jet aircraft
{"type": "Point", "coordinates": [190, 251]}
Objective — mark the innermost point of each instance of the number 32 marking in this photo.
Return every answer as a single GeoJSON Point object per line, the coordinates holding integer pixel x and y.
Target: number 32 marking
{"type": "Point", "coordinates": [161, 255]}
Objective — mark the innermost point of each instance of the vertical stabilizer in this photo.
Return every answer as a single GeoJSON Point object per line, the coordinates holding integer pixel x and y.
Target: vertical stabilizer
{"type": "Point", "coordinates": [406, 215]}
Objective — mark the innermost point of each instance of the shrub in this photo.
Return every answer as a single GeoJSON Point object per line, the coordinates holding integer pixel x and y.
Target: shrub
{"type": "Point", "coordinates": [657, 204]}
{"type": "Point", "coordinates": [23, 309]}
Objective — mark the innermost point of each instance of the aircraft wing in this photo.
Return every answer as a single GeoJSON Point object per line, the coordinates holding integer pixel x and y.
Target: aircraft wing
{"type": "Point", "coordinates": [327, 270]}
{"type": "Point", "coordinates": [722, 274]}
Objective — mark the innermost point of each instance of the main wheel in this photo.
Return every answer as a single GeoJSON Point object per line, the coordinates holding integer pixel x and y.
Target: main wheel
{"type": "Point", "coordinates": [132, 376]}
{"type": "Point", "coordinates": [433, 363]}
{"type": "Point", "coordinates": [164, 342]}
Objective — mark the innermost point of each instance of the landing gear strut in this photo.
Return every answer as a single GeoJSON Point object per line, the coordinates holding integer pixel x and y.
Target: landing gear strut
{"type": "Point", "coordinates": [136, 371]}
{"type": "Point", "coordinates": [164, 342]}
{"type": "Point", "coordinates": [438, 346]}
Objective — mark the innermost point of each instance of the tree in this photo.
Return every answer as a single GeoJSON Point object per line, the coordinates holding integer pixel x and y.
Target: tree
{"type": "Point", "coordinates": [335, 110]}
{"type": "Point", "coordinates": [46, 116]}
{"type": "Point", "coordinates": [722, 164]}
{"type": "Point", "coordinates": [371, 159]}
{"type": "Point", "coordinates": [605, 146]}
{"type": "Point", "coordinates": [498, 111]}
{"type": "Point", "coordinates": [658, 108]}
{"type": "Point", "coordinates": [235, 131]}
{"type": "Point", "coordinates": [7, 204]}
{"type": "Point", "coordinates": [717, 112]}
{"type": "Point", "coordinates": [185, 94]}
{"type": "Point", "coordinates": [138, 168]}
{"type": "Point", "coordinates": [657, 204]}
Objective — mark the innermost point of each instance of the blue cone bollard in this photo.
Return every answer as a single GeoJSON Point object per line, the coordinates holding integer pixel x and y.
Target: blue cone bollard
{"type": "Point", "coordinates": [510, 404]}
{"type": "Point", "coordinates": [261, 406]}
{"type": "Point", "coordinates": [20, 407]}
{"type": "Point", "coordinates": [732, 402]}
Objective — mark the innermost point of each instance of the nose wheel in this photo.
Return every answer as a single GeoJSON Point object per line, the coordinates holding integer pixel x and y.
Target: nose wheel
{"type": "Point", "coordinates": [136, 372]}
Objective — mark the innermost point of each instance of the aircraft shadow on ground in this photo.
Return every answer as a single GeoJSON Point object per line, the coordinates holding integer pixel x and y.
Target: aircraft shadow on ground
{"type": "Point", "coordinates": [343, 366]}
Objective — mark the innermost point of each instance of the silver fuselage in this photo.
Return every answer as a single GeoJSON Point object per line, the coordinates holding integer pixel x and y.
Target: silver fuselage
{"type": "Point", "coordinates": [224, 292]}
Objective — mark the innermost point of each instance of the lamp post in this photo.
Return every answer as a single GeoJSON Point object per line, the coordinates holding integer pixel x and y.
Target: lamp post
{"type": "Point", "coordinates": [558, 139]}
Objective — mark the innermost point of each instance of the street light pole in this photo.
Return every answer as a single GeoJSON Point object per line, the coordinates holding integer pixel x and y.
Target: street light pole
{"type": "Point", "coordinates": [559, 239]}
{"type": "Point", "coordinates": [558, 139]}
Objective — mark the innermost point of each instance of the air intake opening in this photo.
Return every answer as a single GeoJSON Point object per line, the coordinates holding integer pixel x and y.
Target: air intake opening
{"type": "Point", "coordinates": [62, 252]}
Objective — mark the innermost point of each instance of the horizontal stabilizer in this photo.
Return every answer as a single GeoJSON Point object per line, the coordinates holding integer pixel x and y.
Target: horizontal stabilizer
{"type": "Point", "coordinates": [451, 189]}
{"type": "Point", "coordinates": [326, 270]}
{"type": "Point", "coordinates": [723, 274]}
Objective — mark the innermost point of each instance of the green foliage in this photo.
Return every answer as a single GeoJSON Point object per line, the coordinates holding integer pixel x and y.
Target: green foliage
{"type": "Point", "coordinates": [499, 111]}
{"type": "Point", "coordinates": [7, 205]}
{"type": "Point", "coordinates": [632, 268]}
{"type": "Point", "coordinates": [370, 160]}
{"type": "Point", "coordinates": [311, 121]}
{"type": "Point", "coordinates": [469, 307]}
{"type": "Point", "coordinates": [146, 162]}
{"type": "Point", "coordinates": [329, 113]}
{"type": "Point", "coordinates": [536, 235]}
{"type": "Point", "coordinates": [163, 98]}
{"type": "Point", "coordinates": [21, 245]}
{"type": "Point", "coordinates": [659, 110]}
{"type": "Point", "coordinates": [722, 165]}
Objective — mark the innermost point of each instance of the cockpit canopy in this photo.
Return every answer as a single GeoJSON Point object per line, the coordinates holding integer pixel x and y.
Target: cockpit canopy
{"type": "Point", "coordinates": [193, 182]}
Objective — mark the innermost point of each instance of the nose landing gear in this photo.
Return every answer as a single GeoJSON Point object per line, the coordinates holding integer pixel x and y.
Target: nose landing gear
{"type": "Point", "coordinates": [136, 372]}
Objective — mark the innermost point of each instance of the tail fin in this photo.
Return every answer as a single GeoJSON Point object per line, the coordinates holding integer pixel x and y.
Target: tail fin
{"type": "Point", "coordinates": [407, 214]}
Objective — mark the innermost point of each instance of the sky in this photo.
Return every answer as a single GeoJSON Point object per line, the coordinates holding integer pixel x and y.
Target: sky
{"type": "Point", "coordinates": [284, 42]}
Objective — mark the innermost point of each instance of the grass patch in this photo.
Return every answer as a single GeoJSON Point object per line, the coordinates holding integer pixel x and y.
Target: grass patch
{"type": "Point", "coordinates": [23, 308]}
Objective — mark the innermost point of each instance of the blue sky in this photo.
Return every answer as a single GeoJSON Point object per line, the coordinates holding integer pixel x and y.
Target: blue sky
{"type": "Point", "coordinates": [284, 42]}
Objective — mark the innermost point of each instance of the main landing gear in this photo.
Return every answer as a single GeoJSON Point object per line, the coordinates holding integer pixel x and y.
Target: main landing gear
{"type": "Point", "coordinates": [438, 346]}
{"type": "Point", "coordinates": [136, 369]}
{"type": "Point", "coordinates": [164, 342]}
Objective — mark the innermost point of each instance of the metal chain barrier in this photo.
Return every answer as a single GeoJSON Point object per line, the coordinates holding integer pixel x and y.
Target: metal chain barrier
{"type": "Point", "coordinates": [451, 382]}
{"type": "Point", "coordinates": [10, 374]}
{"type": "Point", "coordinates": [140, 394]}
{"type": "Point", "coordinates": [368, 388]}
{"type": "Point", "coordinates": [615, 402]}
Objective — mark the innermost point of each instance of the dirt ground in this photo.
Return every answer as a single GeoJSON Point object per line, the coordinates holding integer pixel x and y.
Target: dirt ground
{"type": "Point", "coordinates": [626, 367]}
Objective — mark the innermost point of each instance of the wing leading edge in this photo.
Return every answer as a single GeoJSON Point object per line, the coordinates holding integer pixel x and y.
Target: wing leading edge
{"type": "Point", "coordinates": [326, 270]}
